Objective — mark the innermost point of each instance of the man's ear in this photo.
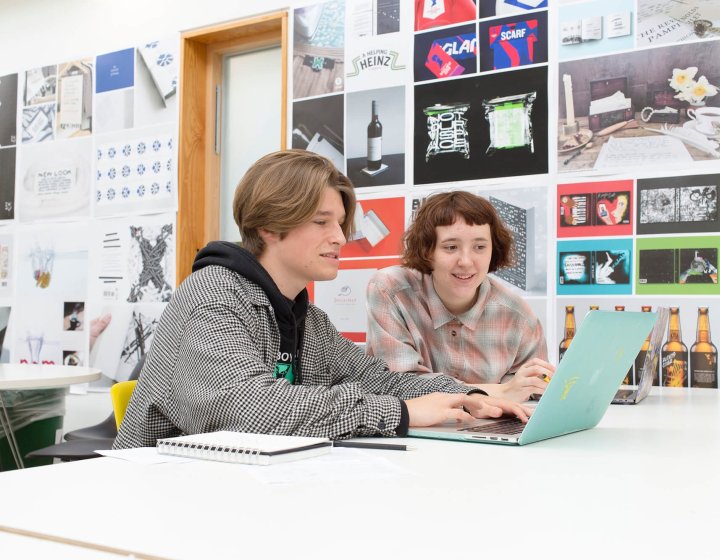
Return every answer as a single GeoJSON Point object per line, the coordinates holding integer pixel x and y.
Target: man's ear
{"type": "Point", "coordinates": [268, 237]}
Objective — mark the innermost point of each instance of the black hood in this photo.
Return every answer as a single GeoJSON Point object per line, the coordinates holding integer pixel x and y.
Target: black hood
{"type": "Point", "coordinates": [290, 315]}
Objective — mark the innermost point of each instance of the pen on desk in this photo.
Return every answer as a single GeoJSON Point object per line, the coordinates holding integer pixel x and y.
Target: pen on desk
{"type": "Point", "coordinates": [370, 445]}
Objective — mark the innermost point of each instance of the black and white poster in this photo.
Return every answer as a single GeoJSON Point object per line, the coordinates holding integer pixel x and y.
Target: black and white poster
{"type": "Point", "coordinates": [481, 127]}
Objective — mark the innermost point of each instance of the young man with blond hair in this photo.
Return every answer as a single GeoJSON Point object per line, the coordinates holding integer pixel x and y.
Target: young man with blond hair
{"type": "Point", "coordinates": [240, 348]}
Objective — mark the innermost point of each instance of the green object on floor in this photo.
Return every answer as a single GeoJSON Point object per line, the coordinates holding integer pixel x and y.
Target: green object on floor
{"type": "Point", "coordinates": [35, 435]}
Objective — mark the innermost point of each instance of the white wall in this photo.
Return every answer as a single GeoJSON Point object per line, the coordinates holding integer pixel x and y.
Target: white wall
{"type": "Point", "coordinates": [36, 32]}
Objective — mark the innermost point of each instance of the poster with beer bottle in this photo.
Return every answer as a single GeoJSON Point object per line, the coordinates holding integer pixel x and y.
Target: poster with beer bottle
{"type": "Point", "coordinates": [569, 330]}
{"type": "Point", "coordinates": [674, 355]}
{"type": "Point", "coordinates": [703, 354]}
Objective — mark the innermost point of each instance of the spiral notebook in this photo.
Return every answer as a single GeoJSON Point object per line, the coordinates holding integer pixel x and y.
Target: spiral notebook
{"type": "Point", "coordinates": [245, 448]}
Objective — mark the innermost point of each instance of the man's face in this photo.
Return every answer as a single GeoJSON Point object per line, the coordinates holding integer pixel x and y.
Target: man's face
{"type": "Point", "coordinates": [311, 251]}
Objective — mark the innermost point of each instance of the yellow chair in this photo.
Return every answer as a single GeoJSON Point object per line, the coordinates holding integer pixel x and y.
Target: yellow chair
{"type": "Point", "coordinates": [120, 394]}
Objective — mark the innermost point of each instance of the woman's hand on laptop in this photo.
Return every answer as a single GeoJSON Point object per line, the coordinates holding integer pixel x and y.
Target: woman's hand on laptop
{"type": "Point", "coordinates": [531, 378]}
{"type": "Point", "coordinates": [482, 406]}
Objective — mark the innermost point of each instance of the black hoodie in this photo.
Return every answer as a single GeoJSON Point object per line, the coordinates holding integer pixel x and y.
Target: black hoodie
{"type": "Point", "coordinates": [289, 314]}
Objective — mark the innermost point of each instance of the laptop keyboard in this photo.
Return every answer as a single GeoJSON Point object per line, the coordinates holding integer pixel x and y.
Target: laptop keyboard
{"type": "Point", "coordinates": [504, 426]}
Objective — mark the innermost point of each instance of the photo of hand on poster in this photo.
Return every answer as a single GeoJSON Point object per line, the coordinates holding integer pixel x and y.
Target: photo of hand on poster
{"type": "Point", "coordinates": [120, 335]}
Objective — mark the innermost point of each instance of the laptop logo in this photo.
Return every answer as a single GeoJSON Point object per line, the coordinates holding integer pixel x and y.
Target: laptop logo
{"type": "Point", "coordinates": [568, 385]}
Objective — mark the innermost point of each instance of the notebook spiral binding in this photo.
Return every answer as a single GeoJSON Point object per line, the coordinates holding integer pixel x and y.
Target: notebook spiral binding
{"type": "Point", "coordinates": [243, 455]}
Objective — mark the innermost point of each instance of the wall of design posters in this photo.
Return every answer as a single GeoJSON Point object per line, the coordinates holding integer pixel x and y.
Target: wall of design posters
{"type": "Point", "coordinates": [593, 127]}
{"type": "Point", "coordinates": [594, 136]}
{"type": "Point", "coordinates": [88, 199]}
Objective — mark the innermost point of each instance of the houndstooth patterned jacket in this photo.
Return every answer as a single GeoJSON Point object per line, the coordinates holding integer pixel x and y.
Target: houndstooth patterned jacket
{"type": "Point", "coordinates": [211, 362]}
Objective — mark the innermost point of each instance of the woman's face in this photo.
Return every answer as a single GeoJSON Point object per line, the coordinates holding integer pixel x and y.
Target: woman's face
{"type": "Point", "coordinates": [460, 261]}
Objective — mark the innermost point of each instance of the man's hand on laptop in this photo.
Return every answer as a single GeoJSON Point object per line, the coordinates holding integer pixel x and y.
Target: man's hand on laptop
{"type": "Point", "coordinates": [531, 378]}
{"type": "Point", "coordinates": [493, 407]}
{"type": "Point", "coordinates": [437, 408]}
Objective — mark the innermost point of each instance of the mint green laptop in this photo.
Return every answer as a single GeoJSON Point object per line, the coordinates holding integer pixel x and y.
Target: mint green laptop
{"type": "Point", "coordinates": [580, 392]}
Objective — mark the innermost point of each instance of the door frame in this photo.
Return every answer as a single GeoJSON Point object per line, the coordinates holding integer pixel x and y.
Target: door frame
{"type": "Point", "coordinates": [202, 52]}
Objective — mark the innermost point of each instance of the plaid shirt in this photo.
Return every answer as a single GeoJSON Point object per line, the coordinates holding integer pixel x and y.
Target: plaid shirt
{"type": "Point", "coordinates": [210, 367]}
{"type": "Point", "coordinates": [411, 329]}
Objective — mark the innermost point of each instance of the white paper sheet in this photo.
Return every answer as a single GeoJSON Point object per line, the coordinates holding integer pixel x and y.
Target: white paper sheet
{"type": "Point", "coordinates": [142, 456]}
{"type": "Point", "coordinates": [343, 465]}
{"type": "Point", "coordinates": [641, 152]}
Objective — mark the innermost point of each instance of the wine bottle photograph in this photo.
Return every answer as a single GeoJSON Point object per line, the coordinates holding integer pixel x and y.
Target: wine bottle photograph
{"type": "Point", "coordinates": [375, 121]}
{"type": "Point", "coordinates": [374, 140]}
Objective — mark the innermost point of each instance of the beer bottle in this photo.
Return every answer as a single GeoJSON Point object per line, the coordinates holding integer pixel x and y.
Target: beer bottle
{"type": "Point", "coordinates": [569, 330]}
{"type": "Point", "coordinates": [703, 354]}
{"type": "Point", "coordinates": [674, 355]}
{"type": "Point", "coordinates": [640, 358]}
{"type": "Point", "coordinates": [629, 376]}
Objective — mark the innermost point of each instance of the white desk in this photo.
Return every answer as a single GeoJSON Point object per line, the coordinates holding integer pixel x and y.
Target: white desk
{"type": "Point", "coordinates": [640, 485]}
{"type": "Point", "coordinates": [36, 376]}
